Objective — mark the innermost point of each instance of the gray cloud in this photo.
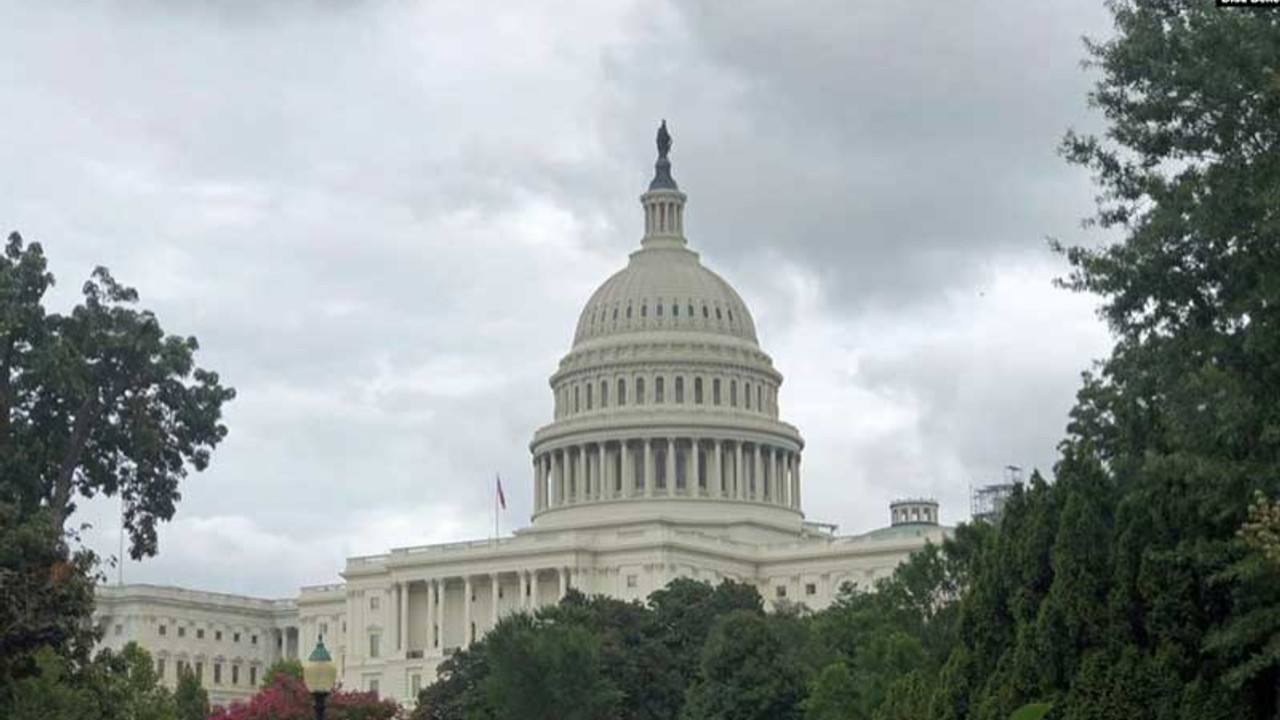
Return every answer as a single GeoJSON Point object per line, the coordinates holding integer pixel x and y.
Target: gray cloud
{"type": "Point", "coordinates": [381, 220]}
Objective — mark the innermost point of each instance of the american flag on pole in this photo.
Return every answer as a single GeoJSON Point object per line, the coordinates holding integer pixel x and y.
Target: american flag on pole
{"type": "Point", "coordinates": [502, 498]}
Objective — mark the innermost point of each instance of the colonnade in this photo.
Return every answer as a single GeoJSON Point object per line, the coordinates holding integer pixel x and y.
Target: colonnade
{"type": "Point", "coordinates": [440, 606]}
{"type": "Point", "coordinates": [666, 467]}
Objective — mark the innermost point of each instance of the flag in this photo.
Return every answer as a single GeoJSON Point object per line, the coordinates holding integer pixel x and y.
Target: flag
{"type": "Point", "coordinates": [502, 499]}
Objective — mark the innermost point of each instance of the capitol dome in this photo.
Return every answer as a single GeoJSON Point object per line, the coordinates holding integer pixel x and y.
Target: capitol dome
{"type": "Point", "coordinates": [665, 289]}
{"type": "Point", "coordinates": [666, 407]}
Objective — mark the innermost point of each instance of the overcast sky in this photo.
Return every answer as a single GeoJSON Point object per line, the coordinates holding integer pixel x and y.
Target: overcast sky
{"type": "Point", "coordinates": [382, 218]}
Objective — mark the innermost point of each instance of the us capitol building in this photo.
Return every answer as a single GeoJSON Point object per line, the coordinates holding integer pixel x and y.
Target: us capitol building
{"type": "Point", "coordinates": [666, 457]}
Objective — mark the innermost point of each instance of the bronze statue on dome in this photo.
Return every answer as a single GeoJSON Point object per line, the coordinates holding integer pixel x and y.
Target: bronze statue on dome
{"type": "Point", "coordinates": [664, 140]}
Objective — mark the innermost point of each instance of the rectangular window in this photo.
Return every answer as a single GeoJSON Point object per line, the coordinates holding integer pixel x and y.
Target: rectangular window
{"type": "Point", "coordinates": [324, 629]}
{"type": "Point", "coordinates": [200, 634]}
{"type": "Point", "coordinates": [375, 645]}
{"type": "Point", "coordinates": [639, 391]}
{"type": "Point", "coordinates": [604, 394]}
{"type": "Point", "coordinates": [217, 635]}
{"type": "Point", "coordinates": [373, 601]}
{"type": "Point", "coordinates": [415, 684]}
{"type": "Point", "coordinates": [253, 675]}
{"type": "Point", "coordinates": [632, 581]}
{"type": "Point", "coordinates": [373, 686]}
{"type": "Point", "coordinates": [810, 589]}
{"type": "Point", "coordinates": [236, 637]}
{"type": "Point", "coordinates": [733, 393]}
{"type": "Point", "coordinates": [160, 668]}
{"type": "Point", "coordinates": [235, 674]}
{"type": "Point", "coordinates": [590, 395]}
{"type": "Point", "coordinates": [746, 394]}
{"type": "Point", "coordinates": [697, 391]}
{"type": "Point", "coordinates": [164, 629]}
{"type": "Point", "coordinates": [622, 392]}
{"type": "Point", "coordinates": [715, 391]}
{"type": "Point", "coordinates": [217, 673]}
{"type": "Point", "coordinates": [759, 403]}
{"type": "Point", "coordinates": [781, 591]}
{"type": "Point", "coordinates": [659, 391]}
{"type": "Point", "coordinates": [119, 630]}
{"type": "Point", "coordinates": [182, 631]}
{"type": "Point", "coordinates": [253, 639]}
{"type": "Point", "coordinates": [679, 390]}
{"type": "Point", "coordinates": [576, 396]}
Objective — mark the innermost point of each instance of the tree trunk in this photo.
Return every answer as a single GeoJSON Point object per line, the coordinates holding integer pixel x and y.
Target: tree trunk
{"type": "Point", "coordinates": [60, 499]}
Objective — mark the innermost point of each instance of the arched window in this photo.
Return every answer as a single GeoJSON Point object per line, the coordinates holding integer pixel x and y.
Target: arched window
{"type": "Point", "coordinates": [628, 312]}
{"type": "Point", "coordinates": [733, 393]}
{"type": "Point", "coordinates": [730, 315]}
{"type": "Point", "coordinates": [718, 317]}
{"type": "Point", "coordinates": [622, 392]}
{"type": "Point", "coordinates": [715, 391]}
{"type": "Point", "coordinates": [679, 390]}
{"type": "Point", "coordinates": [675, 310]}
{"type": "Point", "coordinates": [590, 386]}
{"type": "Point", "coordinates": [746, 394]}
{"type": "Point", "coordinates": [705, 312]}
{"type": "Point", "coordinates": [697, 391]}
{"type": "Point", "coordinates": [604, 393]}
{"type": "Point", "coordinates": [576, 407]}
{"type": "Point", "coordinates": [644, 310]}
{"type": "Point", "coordinates": [640, 391]}
{"type": "Point", "coordinates": [659, 390]}
{"type": "Point", "coordinates": [759, 405]}
{"type": "Point", "coordinates": [659, 306]}
{"type": "Point", "coordinates": [690, 309]}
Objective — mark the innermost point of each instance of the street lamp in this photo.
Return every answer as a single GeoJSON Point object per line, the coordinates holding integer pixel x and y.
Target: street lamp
{"type": "Point", "coordinates": [319, 673]}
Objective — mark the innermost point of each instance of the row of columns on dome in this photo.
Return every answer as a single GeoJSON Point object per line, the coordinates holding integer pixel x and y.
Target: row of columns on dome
{"type": "Point", "coordinates": [440, 606]}
{"type": "Point", "coordinates": [666, 467]}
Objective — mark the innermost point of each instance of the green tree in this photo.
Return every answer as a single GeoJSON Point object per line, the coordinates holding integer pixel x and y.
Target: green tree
{"type": "Point", "coordinates": [285, 666]}
{"type": "Point", "coordinates": [546, 671]}
{"type": "Point", "coordinates": [191, 699]}
{"type": "Point", "coordinates": [457, 693]}
{"type": "Point", "coordinates": [97, 401]}
{"type": "Point", "coordinates": [46, 597]}
{"type": "Point", "coordinates": [833, 695]}
{"type": "Point", "coordinates": [746, 673]}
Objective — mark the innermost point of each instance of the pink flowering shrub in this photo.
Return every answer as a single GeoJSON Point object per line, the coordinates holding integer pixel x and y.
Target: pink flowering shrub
{"type": "Point", "coordinates": [286, 698]}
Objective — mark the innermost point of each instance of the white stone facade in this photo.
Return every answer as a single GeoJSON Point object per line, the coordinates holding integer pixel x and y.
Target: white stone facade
{"type": "Point", "coordinates": [666, 457]}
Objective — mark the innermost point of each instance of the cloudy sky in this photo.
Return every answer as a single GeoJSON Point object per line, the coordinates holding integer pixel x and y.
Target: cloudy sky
{"type": "Point", "coordinates": [382, 218]}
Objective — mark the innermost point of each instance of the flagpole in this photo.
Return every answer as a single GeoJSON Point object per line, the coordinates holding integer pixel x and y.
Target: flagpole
{"type": "Point", "coordinates": [497, 483]}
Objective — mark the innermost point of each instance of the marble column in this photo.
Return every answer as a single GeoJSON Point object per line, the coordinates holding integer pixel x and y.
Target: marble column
{"type": "Point", "coordinates": [402, 594]}
{"type": "Point", "coordinates": [628, 470]}
{"type": "Point", "coordinates": [466, 611]}
{"type": "Point", "coordinates": [557, 478]}
{"type": "Point", "coordinates": [648, 468]}
{"type": "Point", "coordinates": [758, 474]}
{"type": "Point", "coordinates": [441, 586]}
{"type": "Point", "coordinates": [603, 486]}
{"type": "Point", "coordinates": [671, 467]}
{"type": "Point", "coordinates": [695, 470]}
{"type": "Point", "coordinates": [580, 482]}
{"type": "Point", "coordinates": [795, 481]}
{"type": "Point", "coordinates": [538, 499]}
{"type": "Point", "coordinates": [495, 590]}
{"type": "Point", "coordinates": [715, 478]}
{"type": "Point", "coordinates": [739, 484]}
{"type": "Point", "coordinates": [533, 589]}
{"type": "Point", "coordinates": [431, 616]}
{"type": "Point", "coordinates": [564, 581]}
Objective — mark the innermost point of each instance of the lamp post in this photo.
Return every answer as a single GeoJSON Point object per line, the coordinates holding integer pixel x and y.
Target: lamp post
{"type": "Point", "coordinates": [319, 674]}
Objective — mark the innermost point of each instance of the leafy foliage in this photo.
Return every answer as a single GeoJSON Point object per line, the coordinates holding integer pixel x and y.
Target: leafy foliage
{"type": "Point", "coordinates": [98, 401]}
{"type": "Point", "coordinates": [285, 697]}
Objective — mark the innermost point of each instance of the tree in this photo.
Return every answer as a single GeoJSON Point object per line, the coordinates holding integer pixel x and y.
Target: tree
{"type": "Point", "coordinates": [286, 698]}
{"type": "Point", "coordinates": [191, 699]}
{"type": "Point", "coordinates": [546, 671]}
{"type": "Point", "coordinates": [98, 401]}
{"type": "Point", "coordinates": [745, 673]}
{"type": "Point", "coordinates": [46, 596]}
{"type": "Point", "coordinates": [127, 686]}
{"type": "Point", "coordinates": [457, 692]}
{"type": "Point", "coordinates": [291, 667]}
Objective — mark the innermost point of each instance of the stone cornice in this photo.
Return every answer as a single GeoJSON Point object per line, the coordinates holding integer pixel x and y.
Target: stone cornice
{"type": "Point", "coordinates": [637, 424]}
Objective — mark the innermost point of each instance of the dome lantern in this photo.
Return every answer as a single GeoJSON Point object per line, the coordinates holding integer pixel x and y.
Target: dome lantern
{"type": "Point", "coordinates": [663, 203]}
